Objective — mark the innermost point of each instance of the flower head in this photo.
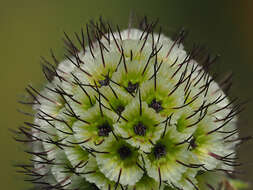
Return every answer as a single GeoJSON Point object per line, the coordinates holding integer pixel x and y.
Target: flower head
{"type": "Point", "coordinates": [131, 110]}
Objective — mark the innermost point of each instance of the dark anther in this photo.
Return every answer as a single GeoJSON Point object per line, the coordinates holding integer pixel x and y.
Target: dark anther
{"type": "Point", "coordinates": [140, 129]}
{"type": "Point", "coordinates": [120, 109]}
{"type": "Point", "coordinates": [124, 152]}
{"type": "Point", "coordinates": [193, 143]}
{"type": "Point", "coordinates": [131, 88]}
{"type": "Point", "coordinates": [159, 151]}
{"type": "Point", "coordinates": [156, 105]}
{"type": "Point", "coordinates": [104, 130]}
{"type": "Point", "coordinates": [104, 82]}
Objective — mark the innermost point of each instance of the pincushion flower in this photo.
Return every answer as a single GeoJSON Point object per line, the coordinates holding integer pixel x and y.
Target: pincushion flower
{"type": "Point", "coordinates": [130, 110]}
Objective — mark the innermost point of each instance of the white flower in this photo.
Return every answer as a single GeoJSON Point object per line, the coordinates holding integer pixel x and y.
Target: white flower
{"type": "Point", "coordinates": [131, 110]}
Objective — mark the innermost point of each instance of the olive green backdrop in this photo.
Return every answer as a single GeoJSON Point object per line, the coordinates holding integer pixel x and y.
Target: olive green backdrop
{"type": "Point", "coordinates": [29, 28]}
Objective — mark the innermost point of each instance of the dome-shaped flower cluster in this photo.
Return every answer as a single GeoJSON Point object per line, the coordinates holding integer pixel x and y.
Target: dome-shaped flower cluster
{"type": "Point", "coordinates": [132, 110]}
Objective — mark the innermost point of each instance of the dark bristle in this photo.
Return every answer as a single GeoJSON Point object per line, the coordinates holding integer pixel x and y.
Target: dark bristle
{"type": "Point", "coordinates": [73, 170]}
{"type": "Point", "coordinates": [160, 178]}
{"type": "Point", "coordinates": [104, 130]}
{"type": "Point", "coordinates": [33, 96]}
{"type": "Point", "coordinates": [145, 38]}
{"type": "Point", "coordinates": [118, 180]}
{"type": "Point", "coordinates": [118, 29]}
{"type": "Point", "coordinates": [140, 129]}
{"type": "Point", "coordinates": [152, 54]}
{"type": "Point", "coordinates": [221, 126]}
{"type": "Point", "coordinates": [54, 57]}
{"type": "Point", "coordinates": [155, 73]}
{"type": "Point", "coordinates": [159, 151]}
{"type": "Point", "coordinates": [111, 32]}
{"type": "Point", "coordinates": [58, 143]}
{"type": "Point", "coordinates": [49, 73]}
{"type": "Point", "coordinates": [167, 123]}
{"type": "Point", "coordinates": [78, 82]}
{"type": "Point", "coordinates": [81, 40]}
{"type": "Point", "coordinates": [190, 165]}
{"type": "Point", "coordinates": [67, 94]}
{"type": "Point", "coordinates": [113, 91]}
{"type": "Point", "coordinates": [90, 41]}
{"type": "Point", "coordinates": [99, 101]}
{"type": "Point", "coordinates": [210, 186]}
{"type": "Point", "coordinates": [124, 152]}
{"type": "Point", "coordinates": [156, 105]}
{"type": "Point", "coordinates": [140, 102]}
{"type": "Point", "coordinates": [124, 59]}
{"type": "Point", "coordinates": [143, 23]}
{"type": "Point", "coordinates": [195, 187]}
{"type": "Point", "coordinates": [131, 88]}
{"type": "Point", "coordinates": [177, 40]}
{"type": "Point", "coordinates": [39, 94]}
{"type": "Point", "coordinates": [101, 47]}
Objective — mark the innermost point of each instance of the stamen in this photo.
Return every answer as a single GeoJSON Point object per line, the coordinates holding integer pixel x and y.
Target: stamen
{"type": "Point", "coordinates": [159, 151]}
{"type": "Point", "coordinates": [124, 152]}
{"type": "Point", "coordinates": [131, 88]}
{"type": "Point", "coordinates": [140, 129]}
{"type": "Point", "coordinates": [104, 130]}
{"type": "Point", "coordinates": [104, 82]}
{"type": "Point", "coordinates": [156, 105]}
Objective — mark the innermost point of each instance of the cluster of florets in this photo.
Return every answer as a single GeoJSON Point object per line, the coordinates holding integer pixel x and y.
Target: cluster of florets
{"type": "Point", "coordinates": [131, 110]}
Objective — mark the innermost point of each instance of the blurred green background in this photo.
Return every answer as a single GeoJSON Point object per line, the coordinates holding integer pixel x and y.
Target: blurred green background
{"type": "Point", "coordinates": [29, 28]}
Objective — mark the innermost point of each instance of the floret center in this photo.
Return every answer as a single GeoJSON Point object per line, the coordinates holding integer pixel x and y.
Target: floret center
{"type": "Point", "coordinates": [159, 151]}
{"type": "Point", "coordinates": [124, 152]}
{"type": "Point", "coordinates": [104, 130]}
{"type": "Point", "coordinates": [104, 82]}
{"type": "Point", "coordinates": [131, 88]}
{"type": "Point", "coordinates": [156, 105]}
{"type": "Point", "coordinates": [120, 109]}
{"type": "Point", "coordinates": [140, 129]}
